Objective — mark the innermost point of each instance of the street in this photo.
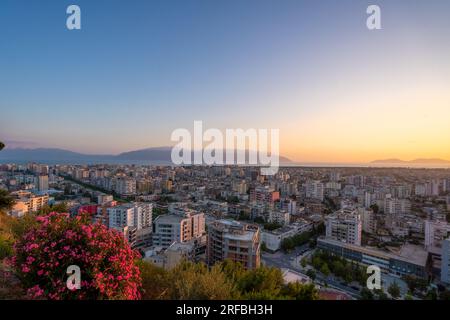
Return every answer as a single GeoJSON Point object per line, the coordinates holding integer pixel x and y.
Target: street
{"type": "Point", "coordinates": [292, 261]}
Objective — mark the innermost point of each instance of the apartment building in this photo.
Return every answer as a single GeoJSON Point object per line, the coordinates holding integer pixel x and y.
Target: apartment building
{"type": "Point", "coordinates": [103, 199]}
{"type": "Point", "coordinates": [180, 225]}
{"type": "Point", "coordinates": [134, 220]}
{"type": "Point", "coordinates": [280, 217]}
{"type": "Point", "coordinates": [239, 242]}
{"type": "Point", "coordinates": [314, 190]}
{"type": "Point", "coordinates": [27, 202]}
{"type": "Point", "coordinates": [344, 225]}
{"type": "Point", "coordinates": [125, 186]}
{"type": "Point", "coordinates": [42, 182]}
{"type": "Point", "coordinates": [435, 233]}
{"type": "Point", "coordinates": [369, 221]}
{"type": "Point", "coordinates": [445, 261]}
{"type": "Point", "coordinates": [272, 239]}
{"type": "Point", "coordinates": [264, 195]}
{"type": "Point", "coordinates": [396, 206]}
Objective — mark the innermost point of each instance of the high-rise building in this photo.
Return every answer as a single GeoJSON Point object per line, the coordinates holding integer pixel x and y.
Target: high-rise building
{"type": "Point", "coordinates": [125, 186]}
{"type": "Point", "coordinates": [42, 182]}
{"type": "Point", "coordinates": [397, 206]}
{"type": "Point", "coordinates": [344, 225]}
{"type": "Point", "coordinates": [134, 220]}
{"type": "Point", "coordinates": [314, 190]}
{"type": "Point", "coordinates": [239, 242]}
{"type": "Point", "coordinates": [265, 195]}
{"type": "Point", "coordinates": [180, 225]}
{"type": "Point", "coordinates": [435, 233]}
{"type": "Point", "coordinates": [369, 221]}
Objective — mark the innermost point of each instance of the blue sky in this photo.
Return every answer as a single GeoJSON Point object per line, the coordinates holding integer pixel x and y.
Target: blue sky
{"type": "Point", "coordinates": [140, 69]}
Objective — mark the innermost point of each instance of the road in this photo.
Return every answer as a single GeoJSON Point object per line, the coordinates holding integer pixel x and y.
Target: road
{"type": "Point", "coordinates": [291, 261]}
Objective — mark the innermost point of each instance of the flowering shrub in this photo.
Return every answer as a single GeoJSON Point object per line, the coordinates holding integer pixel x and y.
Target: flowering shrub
{"type": "Point", "coordinates": [106, 261]}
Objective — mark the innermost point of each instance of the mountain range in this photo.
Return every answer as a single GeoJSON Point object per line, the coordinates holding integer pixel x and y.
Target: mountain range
{"type": "Point", "coordinates": [415, 161]}
{"type": "Point", "coordinates": [157, 154]}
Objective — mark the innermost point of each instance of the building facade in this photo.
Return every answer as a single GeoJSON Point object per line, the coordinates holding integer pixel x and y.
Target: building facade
{"type": "Point", "coordinates": [239, 242]}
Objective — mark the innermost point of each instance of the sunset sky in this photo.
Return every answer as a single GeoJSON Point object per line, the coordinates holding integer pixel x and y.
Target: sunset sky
{"type": "Point", "coordinates": [137, 70]}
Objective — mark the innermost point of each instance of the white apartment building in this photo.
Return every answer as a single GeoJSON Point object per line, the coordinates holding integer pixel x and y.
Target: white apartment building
{"type": "Point", "coordinates": [137, 215]}
{"type": "Point", "coordinates": [178, 226]}
{"type": "Point", "coordinates": [279, 216]}
{"type": "Point", "coordinates": [314, 190]}
{"type": "Point", "coordinates": [289, 205]}
{"type": "Point", "coordinates": [42, 182]}
{"type": "Point", "coordinates": [134, 221]}
{"type": "Point", "coordinates": [445, 262]}
{"type": "Point", "coordinates": [27, 202]}
{"type": "Point", "coordinates": [272, 239]}
{"type": "Point", "coordinates": [396, 206]}
{"type": "Point", "coordinates": [344, 225]}
{"type": "Point", "coordinates": [125, 186]}
{"type": "Point", "coordinates": [369, 221]}
{"type": "Point", "coordinates": [435, 233]}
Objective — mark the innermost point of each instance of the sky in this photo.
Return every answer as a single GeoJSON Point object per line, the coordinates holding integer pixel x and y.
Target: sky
{"type": "Point", "coordinates": [137, 70]}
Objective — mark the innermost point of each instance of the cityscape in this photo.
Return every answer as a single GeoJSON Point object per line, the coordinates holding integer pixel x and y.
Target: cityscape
{"type": "Point", "coordinates": [320, 227]}
{"type": "Point", "coordinates": [246, 153]}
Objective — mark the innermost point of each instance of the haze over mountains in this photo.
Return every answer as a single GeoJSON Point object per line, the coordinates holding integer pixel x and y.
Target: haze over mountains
{"type": "Point", "coordinates": [156, 155]}
{"type": "Point", "coordinates": [161, 155]}
{"type": "Point", "coordinates": [415, 161]}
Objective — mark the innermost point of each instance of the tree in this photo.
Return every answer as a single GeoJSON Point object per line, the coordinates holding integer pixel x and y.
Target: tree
{"type": "Point", "coordinates": [408, 297]}
{"type": "Point", "coordinates": [381, 295]}
{"type": "Point", "coordinates": [57, 241]}
{"type": "Point", "coordinates": [2, 145]}
{"type": "Point", "coordinates": [366, 294]}
{"type": "Point", "coordinates": [272, 226]}
{"type": "Point", "coordinates": [325, 269]}
{"type": "Point", "coordinates": [311, 273]}
{"type": "Point", "coordinates": [444, 295]}
{"type": "Point", "coordinates": [190, 281]}
{"type": "Point", "coordinates": [262, 279]}
{"type": "Point", "coordinates": [264, 247]}
{"type": "Point", "coordinates": [303, 262]}
{"type": "Point", "coordinates": [6, 201]}
{"type": "Point", "coordinates": [233, 199]}
{"type": "Point", "coordinates": [300, 291]}
{"type": "Point", "coordinates": [287, 244]}
{"type": "Point", "coordinates": [394, 290]}
{"type": "Point", "coordinates": [375, 208]}
{"type": "Point", "coordinates": [155, 281]}
{"type": "Point", "coordinates": [60, 208]}
{"type": "Point", "coordinates": [415, 283]}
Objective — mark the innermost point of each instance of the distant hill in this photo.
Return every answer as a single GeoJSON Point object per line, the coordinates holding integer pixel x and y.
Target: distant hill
{"type": "Point", "coordinates": [54, 155]}
{"type": "Point", "coordinates": [415, 161]}
{"type": "Point", "coordinates": [48, 154]}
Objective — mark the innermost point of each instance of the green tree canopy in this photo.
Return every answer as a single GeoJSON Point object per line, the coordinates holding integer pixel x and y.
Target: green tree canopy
{"type": "Point", "coordinates": [394, 290]}
{"type": "Point", "coordinates": [6, 201]}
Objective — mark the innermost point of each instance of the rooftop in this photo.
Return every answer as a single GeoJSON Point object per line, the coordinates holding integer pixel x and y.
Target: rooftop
{"type": "Point", "coordinates": [408, 253]}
